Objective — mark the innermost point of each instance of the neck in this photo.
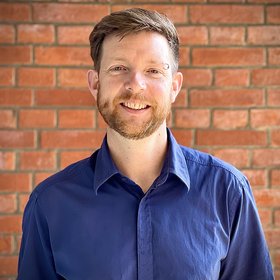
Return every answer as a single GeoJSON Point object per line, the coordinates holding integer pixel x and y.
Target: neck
{"type": "Point", "coordinates": [140, 160]}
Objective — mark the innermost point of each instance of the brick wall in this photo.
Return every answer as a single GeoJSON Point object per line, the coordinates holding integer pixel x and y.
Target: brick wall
{"type": "Point", "coordinates": [229, 106]}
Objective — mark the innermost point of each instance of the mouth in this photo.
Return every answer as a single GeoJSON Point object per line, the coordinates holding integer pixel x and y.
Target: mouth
{"type": "Point", "coordinates": [135, 106]}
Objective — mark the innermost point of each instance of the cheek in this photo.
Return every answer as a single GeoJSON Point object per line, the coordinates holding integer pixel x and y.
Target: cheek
{"type": "Point", "coordinates": [161, 90]}
{"type": "Point", "coordinates": [112, 85]}
{"type": "Point", "coordinates": [107, 88]}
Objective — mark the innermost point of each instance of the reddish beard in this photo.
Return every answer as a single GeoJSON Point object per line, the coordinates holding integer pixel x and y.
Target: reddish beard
{"type": "Point", "coordinates": [126, 128]}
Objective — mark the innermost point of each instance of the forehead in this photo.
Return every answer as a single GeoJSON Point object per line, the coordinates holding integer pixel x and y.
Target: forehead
{"type": "Point", "coordinates": [144, 45]}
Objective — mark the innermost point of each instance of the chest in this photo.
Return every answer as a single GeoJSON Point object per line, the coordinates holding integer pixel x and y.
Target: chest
{"type": "Point", "coordinates": [156, 237]}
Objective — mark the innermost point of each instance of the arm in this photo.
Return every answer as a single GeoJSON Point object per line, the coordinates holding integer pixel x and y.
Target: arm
{"type": "Point", "coordinates": [248, 256]}
{"type": "Point", "coordinates": [35, 259]}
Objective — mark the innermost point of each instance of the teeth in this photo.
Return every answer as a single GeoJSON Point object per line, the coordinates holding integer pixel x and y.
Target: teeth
{"type": "Point", "coordinates": [135, 106]}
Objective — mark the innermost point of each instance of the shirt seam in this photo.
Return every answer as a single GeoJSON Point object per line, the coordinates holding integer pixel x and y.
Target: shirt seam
{"type": "Point", "coordinates": [240, 177]}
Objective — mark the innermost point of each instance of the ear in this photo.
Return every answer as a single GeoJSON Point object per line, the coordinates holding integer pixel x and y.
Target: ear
{"type": "Point", "coordinates": [93, 82]}
{"type": "Point", "coordinates": [176, 85]}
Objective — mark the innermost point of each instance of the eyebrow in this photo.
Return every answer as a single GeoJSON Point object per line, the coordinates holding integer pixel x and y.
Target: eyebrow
{"type": "Point", "coordinates": [165, 65]}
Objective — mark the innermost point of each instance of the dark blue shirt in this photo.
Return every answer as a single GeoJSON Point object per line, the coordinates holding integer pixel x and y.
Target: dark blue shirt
{"type": "Point", "coordinates": [197, 221]}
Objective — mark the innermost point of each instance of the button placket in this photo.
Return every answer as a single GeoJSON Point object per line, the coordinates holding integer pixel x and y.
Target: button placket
{"type": "Point", "coordinates": [144, 241]}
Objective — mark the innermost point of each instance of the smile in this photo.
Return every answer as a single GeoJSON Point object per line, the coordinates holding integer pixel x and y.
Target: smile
{"type": "Point", "coordinates": [135, 106]}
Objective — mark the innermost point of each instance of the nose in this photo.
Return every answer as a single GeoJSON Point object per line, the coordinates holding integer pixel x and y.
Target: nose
{"type": "Point", "coordinates": [136, 82]}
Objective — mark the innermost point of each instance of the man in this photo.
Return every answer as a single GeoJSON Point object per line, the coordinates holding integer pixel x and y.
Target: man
{"type": "Point", "coordinates": [142, 206]}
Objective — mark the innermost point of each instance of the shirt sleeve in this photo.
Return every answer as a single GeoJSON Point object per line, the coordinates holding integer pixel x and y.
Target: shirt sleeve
{"type": "Point", "coordinates": [248, 256]}
{"type": "Point", "coordinates": [35, 258]}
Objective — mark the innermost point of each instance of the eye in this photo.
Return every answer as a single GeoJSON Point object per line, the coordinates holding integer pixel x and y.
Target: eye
{"type": "Point", "coordinates": [153, 71]}
{"type": "Point", "coordinates": [118, 68]}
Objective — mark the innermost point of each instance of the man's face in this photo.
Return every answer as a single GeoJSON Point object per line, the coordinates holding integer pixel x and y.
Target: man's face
{"type": "Point", "coordinates": [135, 85]}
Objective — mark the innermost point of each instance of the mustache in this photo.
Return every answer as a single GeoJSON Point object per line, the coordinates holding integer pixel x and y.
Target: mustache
{"type": "Point", "coordinates": [128, 96]}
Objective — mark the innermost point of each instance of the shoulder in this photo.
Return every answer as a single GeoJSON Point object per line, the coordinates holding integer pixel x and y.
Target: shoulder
{"type": "Point", "coordinates": [80, 172]}
{"type": "Point", "coordinates": [209, 161]}
{"type": "Point", "coordinates": [205, 167]}
{"type": "Point", "coordinates": [217, 181]}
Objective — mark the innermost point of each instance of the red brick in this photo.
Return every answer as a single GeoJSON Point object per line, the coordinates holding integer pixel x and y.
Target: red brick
{"type": "Point", "coordinates": [226, 119]}
{"type": "Point", "coordinates": [188, 118]}
{"type": "Point", "coordinates": [15, 54]}
{"type": "Point", "coordinates": [7, 33]}
{"type": "Point", "coordinates": [273, 13]}
{"type": "Point", "coordinates": [183, 136]}
{"type": "Point", "coordinates": [35, 33]}
{"type": "Point", "coordinates": [17, 139]}
{"type": "Point", "coordinates": [15, 12]}
{"type": "Point", "coordinates": [8, 203]}
{"type": "Point", "coordinates": [277, 217]}
{"type": "Point", "coordinates": [273, 97]}
{"type": "Point", "coordinates": [143, 1]}
{"type": "Point", "coordinates": [266, 157]}
{"type": "Point", "coordinates": [13, 182]}
{"type": "Point", "coordinates": [15, 97]}
{"type": "Point", "coordinates": [265, 118]}
{"type": "Point", "coordinates": [6, 244]}
{"type": "Point", "coordinates": [276, 259]}
{"type": "Point", "coordinates": [274, 56]}
{"type": "Point", "coordinates": [78, 13]}
{"type": "Point", "coordinates": [264, 35]}
{"type": "Point", "coordinates": [266, 77]}
{"type": "Point", "coordinates": [8, 265]}
{"type": "Point", "coordinates": [226, 14]}
{"type": "Point", "coordinates": [23, 199]}
{"type": "Point", "coordinates": [17, 243]}
{"type": "Point", "coordinates": [222, 35]}
{"type": "Point", "coordinates": [64, 97]}
{"type": "Point", "coordinates": [277, 271]}
{"type": "Point", "coordinates": [177, 13]}
{"type": "Point", "coordinates": [67, 158]}
{"type": "Point", "coordinates": [37, 160]}
{"type": "Point", "coordinates": [10, 224]}
{"type": "Point", "coordinates": [275, 137]}
{"type": "Point", "coordinates": [263, 1]}
{"type": "Point", "coordinates": [7, 119]}
{"type": "Point", "coordinates": [196, 77]}
{"type": "Point", "coordinates": [74, 34]}
{"type": "Point", "coordinates": [37, 118]}
{"type": "Point", "coordinates": [193, 35]}
{"type": "Point", "coordinates": [273, 238]}
{"type": "Point", "coordinates": [256, 177]}
{"type": "Point", "coordinates": [41, 176]}
{"type": "Point", "coordinates": [226, 1]}
{"type": "Point", "coordinates": [184, 56]}
{"type": "Point", "coordinates": [40, 77]}
{"type": "Point", "coordinates": [265, 216]}
{"type": "Point", "coordinates": [71, 139]}
{"type": "Point", "coordinates": [275, 177]}
{"type": "Point", "coordinates": [232, 97]}
{"type": "Point", "coordinates": [228, 56]}
{"type": "Point", "coordinates": [76, 56]}
{"type": "Point", "coordinates": [267, 197]}
{"type": "Point", "coordinates": [189, 1]}
{"type": "Point", "coordinates": [7, 160]}
{"type": "Point", "coordinates": [231, 138]}
{"type": "Point", "coordinates": [72, 77]}
{"type": "Point", "coordinates": [6, 76]}
{"type": "Point", "coordinates": [181, 99]}
{"type": "Point", "coordinates": [236, 157]}
{"type": "Point", "coordinates": [232, 77]}
{"type": "Point", "coordinates": [76, 119]}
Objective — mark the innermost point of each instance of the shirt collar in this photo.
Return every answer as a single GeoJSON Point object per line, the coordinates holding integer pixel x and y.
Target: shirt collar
{"type": "Point", "coordinates": [175, 163]}
{"type": "Point", "coordinates": [105, 168]}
